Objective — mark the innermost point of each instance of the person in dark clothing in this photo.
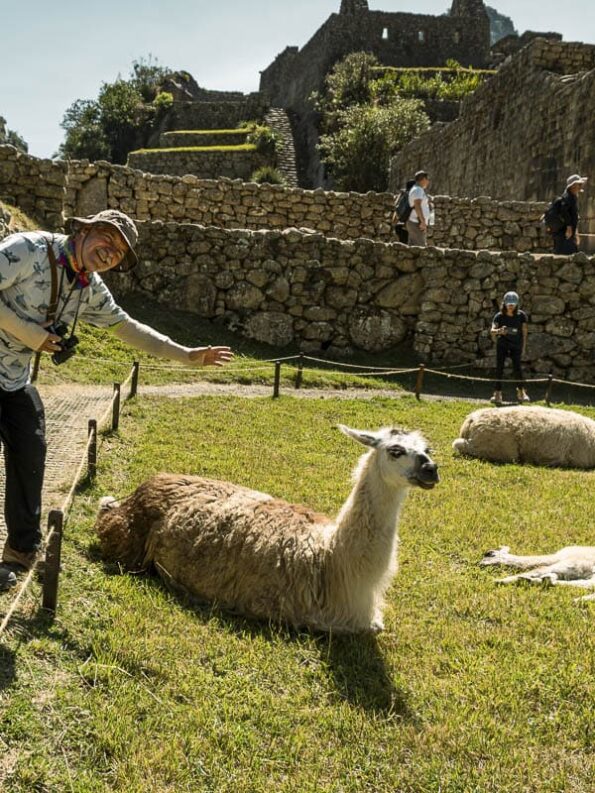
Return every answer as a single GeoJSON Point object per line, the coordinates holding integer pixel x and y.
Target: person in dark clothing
{"type": "Point", "coordinates": [566, 241]}
{"type": "Point", "coordinates": [509, 328]}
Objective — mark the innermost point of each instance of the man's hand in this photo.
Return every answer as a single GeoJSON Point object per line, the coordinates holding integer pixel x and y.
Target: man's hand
{"type": "Point", "coordinates": [423, 226]}
{"type": "Point", "coordinates": [52, 344]}
{"type": "Point", "coordinates": [210, 356]}
{"type": "Point", "coordinates": [569, 233]}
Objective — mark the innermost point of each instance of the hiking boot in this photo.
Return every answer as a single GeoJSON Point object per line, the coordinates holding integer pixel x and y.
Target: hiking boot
{"type": "Point", "coordinates": [7, 579]}
{"type": "Point", "coordinates": [22, 560]}
{"type": "Point", "coordinates": [522, 395]}
{"type": "Point", "coordinates": [497, 398]}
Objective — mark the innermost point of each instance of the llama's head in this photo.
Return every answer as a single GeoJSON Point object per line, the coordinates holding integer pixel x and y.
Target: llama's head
{"type": "Point", "coordinates": [403, 457]}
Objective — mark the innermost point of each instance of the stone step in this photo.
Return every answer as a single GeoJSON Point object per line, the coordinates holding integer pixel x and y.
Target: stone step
{"type": "Point", "coordinates": [278, 120]}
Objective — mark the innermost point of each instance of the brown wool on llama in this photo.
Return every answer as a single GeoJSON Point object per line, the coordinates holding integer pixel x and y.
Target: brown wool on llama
{"type": "Point", "coordinates": [266, 558]}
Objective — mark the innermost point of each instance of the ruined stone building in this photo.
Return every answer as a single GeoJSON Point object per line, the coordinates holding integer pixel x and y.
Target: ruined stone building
{"type": "Point", "coordinates": [397, 39]}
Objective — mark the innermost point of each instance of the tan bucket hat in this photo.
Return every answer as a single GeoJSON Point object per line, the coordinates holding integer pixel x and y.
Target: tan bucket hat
{"type": "Point", "coordinates": [124, 224]}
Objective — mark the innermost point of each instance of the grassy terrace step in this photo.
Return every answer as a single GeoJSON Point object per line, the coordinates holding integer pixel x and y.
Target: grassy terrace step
{"type": "Point", "coordinates": [244, 147]}
{"type": "Point", "coordinates": [202, 138]}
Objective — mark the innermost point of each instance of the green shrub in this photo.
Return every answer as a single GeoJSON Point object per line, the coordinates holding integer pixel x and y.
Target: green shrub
{"type": "Point", "coordinates": [265, 140]}
{"type": "Point", "coordinates": [268, 175]}
{"type": "Point", "coordinates": [357, 154]}
{"type": "Point", "coordinates": [163, 101]}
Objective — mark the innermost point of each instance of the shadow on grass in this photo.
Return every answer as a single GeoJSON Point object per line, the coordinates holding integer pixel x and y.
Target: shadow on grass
{"type": "Point", "coordinates": [361, 676]}
{"type": "Point", "coordinates": [355, 663]}
{"type": "Point", "coordinates": [7, 667]}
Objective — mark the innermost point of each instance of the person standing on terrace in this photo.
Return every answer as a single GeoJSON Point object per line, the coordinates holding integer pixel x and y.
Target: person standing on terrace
{"type": "Point", "coordinates": [47, 283]}
{"type": "Point", "coordinates": [510, 328]}
{"type": "Point", "coordinates": [421, 211]}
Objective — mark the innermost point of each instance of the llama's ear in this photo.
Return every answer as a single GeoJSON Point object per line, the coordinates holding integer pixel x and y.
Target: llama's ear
{"type": "Point", "coordinates": [365, 438]}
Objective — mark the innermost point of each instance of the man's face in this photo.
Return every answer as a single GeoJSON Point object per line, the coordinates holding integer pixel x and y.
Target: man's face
{"type": "Point", "coordinates": [424, 183]}
{"type": "Point", "coordinates": [577, 188]}
{"type": "Point", "coordinates": [100, 247]}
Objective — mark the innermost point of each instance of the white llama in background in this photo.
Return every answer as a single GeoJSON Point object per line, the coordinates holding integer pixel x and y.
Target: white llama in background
{"type": "Point", "coordinates": [572, 566]}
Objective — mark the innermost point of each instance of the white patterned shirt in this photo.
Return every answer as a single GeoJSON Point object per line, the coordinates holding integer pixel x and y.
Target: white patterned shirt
{"type": "Point", "coordinates": [26, 287]}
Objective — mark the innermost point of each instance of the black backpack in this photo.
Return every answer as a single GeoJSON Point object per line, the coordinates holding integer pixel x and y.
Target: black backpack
{"type": "Point", "coordinates": [402, 208]}
{"type": "Point", "coordinates": [555, 218]}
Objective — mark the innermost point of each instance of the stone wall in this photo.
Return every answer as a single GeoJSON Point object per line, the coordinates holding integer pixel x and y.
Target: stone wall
{"type": "Point", "coordinates": [520, 135]}
{"type": "Point", "coordinates": [36, 186]}
{"type": "Point", "coordinates": [471, 224]}
{"type": "Point", "coordinates": [305, 290]}
{"type": "Point", "coordinates": [231, 164]}
{"type": "Point", "coordinates": [214, 115]}
{"type": "Point", "coordinates": [397, 39]}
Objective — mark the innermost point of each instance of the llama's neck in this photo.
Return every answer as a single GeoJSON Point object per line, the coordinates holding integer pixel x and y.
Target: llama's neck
{"type": "Point", "coordinates": [365, 534]}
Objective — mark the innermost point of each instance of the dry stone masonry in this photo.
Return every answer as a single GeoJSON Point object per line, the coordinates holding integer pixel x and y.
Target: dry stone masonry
{"type": "Point", "coordinates": [471, 224]}
{"type": "Point", "coordinates": [232, 164]}
{"type": "Point", "coordinates": [305, 287]}
{"type": "Point", "coordinates": [521, 134]}
{"type": "Point", "coordinates": [309, 291]}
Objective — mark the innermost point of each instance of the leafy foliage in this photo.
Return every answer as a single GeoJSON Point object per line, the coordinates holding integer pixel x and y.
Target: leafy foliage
{"type": "Point", "coordinates": [267, 175]}
{"type": "Point", "coordinates": [358, 153]}
{"type": "Point", "coordinates": [266, 141]}
{"type": "Point", "coordinates": [453, 82]}
{"type": "Point", "coordinates": [348, 84]}
{"type": "Point", "coordinates": [120, 119]}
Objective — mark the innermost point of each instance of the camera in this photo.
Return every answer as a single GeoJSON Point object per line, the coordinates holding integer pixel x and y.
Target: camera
{"type": "Point", "coordinates": [68, 344]}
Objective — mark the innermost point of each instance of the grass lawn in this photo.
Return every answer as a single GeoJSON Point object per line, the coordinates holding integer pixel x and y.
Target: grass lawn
{"type": "Point", "coordinates": [472, 688]}
{"type": "Point", "coordinates": [102, 358]}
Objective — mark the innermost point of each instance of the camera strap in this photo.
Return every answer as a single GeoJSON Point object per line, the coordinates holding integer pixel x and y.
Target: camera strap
{"type": "Point", "coordinates": [56, 291]}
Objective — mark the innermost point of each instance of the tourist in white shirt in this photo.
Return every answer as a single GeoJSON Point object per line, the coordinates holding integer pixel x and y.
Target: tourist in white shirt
{"type": "Point", "coordinates": [421, 211]}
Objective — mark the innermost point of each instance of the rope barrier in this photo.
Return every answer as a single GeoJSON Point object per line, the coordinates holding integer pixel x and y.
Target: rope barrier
{"type": "Point", "coordinates": [64, 509]}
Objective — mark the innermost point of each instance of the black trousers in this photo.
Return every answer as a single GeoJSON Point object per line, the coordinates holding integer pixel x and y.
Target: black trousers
{"type": "Point", "coordinates": [563, 246]}
{"type": "Point", "coordinates": [503, 351]}
{"type": "Point", "coordinates": [22, 431]}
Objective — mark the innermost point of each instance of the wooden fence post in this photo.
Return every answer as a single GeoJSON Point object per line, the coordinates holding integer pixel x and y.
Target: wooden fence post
{"type": "Point", "coordinates": [420, 381]}
{"type": "Point", "coordinates": [116, 407]}
{"type": "Point", "coordinates": [53, 556]}
{"type": "Point", "coordinates": [548, 393]}
{"type": "Point", "coordinates": [134, 381]}
{"type": "Point", "coordinates": [92, 453]}
{"type": "Point", "coordinates": [277, 383]}
{"type": "Point", "coordinates": [300, 371]}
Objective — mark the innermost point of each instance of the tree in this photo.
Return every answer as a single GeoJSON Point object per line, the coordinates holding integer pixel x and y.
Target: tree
{"type": "Point", "coordinates": [120, 119]}
{"type": "Point", "coordinates": [85, 138]}
{"type": "Point", "coordinates": [348, 84]}
{"type": "Point", "coordinates": [358, 153]}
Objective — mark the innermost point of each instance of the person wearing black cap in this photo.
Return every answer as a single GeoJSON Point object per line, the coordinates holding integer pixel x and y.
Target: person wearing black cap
{"type": "Point", "coordinates": [48, 282]}
{"type": "Point", "coordinates": [510, 328]}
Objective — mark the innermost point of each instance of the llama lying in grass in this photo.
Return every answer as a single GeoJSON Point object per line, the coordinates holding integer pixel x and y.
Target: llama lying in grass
{"type": "Point", "coordinates": [572, 566]}
{"type": "Point", "coordinates": [267, 558]}
{"type": "Point", "coordinates": [537, 435]}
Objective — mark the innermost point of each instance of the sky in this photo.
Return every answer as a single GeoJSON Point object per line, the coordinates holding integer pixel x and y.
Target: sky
{"type": "Point", "coordinates": [54, 53]}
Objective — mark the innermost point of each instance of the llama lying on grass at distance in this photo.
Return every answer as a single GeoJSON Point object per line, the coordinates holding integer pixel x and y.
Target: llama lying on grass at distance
{"type": "Point", "coordinates": [537, 435]}
{"type": "Point", "coordinates": [266, 558]}
{"type": "Point", "coordinates": [572, 566]}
